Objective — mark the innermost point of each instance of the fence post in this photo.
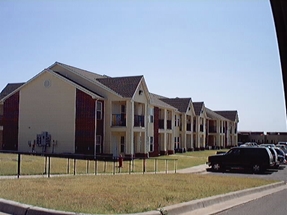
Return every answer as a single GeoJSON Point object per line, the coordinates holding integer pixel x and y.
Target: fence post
{"type": "Point", "coordinates": [105, 165]}
{"type": "Point", "coordinates": [175, 162]}
{"type": "Point", "coordinates": [49, 166]}
{"type": "Point", "coordinates": [88, 165]}
{"type": "Point", "coordinates": [96, 167]}
{"type": "Point", "coordinates": [166, 166]}
{"type": "Point", "coordinates": [130, 166]}
{"type": "Point", "coordinates": [143, 165]}
{"type": "Point", "coordinates": [19, 165]}
{"type": "Point", "coordinates": [114, 169]}
{"type": "Point", "coordinates": [68, 166]}
{"type": "Point", "coordinates": [45, 165]}
{"type": "Point", "coordinates": [74, 166]}
{"type": "Point", "coordinates": [156, 165]}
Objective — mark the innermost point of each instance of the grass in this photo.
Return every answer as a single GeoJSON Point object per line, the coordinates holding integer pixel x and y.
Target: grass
{"type": "Point", "coordinates": [108, 194]}
{"type": "Point", "coordinates": [35, 165]}
{"type": "Point", "coordinates": [120, 193]}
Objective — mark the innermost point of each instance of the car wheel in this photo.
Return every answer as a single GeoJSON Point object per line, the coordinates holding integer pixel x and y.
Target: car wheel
{"type": "Point", "coordinates": [216, 167]}
{"type": "Point", "coordinates": [256, 168]}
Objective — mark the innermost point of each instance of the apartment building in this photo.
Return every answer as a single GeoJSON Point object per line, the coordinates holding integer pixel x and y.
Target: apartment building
{"type": "Point", "coordinates": [65, 110]}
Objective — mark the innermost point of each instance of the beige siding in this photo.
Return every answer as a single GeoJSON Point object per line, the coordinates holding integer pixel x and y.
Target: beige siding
{"type": "Point", "coordinates": [51, 109]}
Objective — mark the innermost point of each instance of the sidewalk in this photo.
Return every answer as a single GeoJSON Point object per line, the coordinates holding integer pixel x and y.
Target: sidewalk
{"type": "Point", "coordinates": [196, 169]}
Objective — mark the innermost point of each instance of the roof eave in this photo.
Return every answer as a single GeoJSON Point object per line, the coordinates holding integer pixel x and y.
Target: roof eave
{"type": "Point", "coordinates": [84, 77]}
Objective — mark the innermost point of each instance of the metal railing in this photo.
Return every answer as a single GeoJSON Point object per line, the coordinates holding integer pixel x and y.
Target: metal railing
{"type": "Point", "coordinates": [28, 164]}
{"type": "Point", "coordinates": [118, 120]}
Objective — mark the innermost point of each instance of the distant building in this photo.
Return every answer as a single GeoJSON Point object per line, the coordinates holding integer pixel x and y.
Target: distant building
{"type": "Point", "coordinates": [261, 137]}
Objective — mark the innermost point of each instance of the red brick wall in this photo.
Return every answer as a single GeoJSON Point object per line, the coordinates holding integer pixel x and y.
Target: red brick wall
{"type": "Point", "coordinates": [156, 152]}
{"type": "Point", "coordinates": [10, 123]}
{"type": "Point", "coordinates": [85, 124]}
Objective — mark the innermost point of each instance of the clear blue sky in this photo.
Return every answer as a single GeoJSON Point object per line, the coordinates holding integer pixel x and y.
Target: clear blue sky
{"type": "Point", "coordinates": [222, 52]}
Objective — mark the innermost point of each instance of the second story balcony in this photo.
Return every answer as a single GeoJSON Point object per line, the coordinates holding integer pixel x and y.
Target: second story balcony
{"type": "Point", "coordinates": [138, 120]}
{"type": "Point", "coordinates": [168, 124]}
{"type": "Point", "coordinates": [161, 124]}
{"type": "Point", "coordinates": [201, 128]}
{"type": "Point", "coordinates": [119, 120]}
{"type": "Point", "coordinates": [188, 127]}
{"type": "Point", "coordinates": [212, 129]}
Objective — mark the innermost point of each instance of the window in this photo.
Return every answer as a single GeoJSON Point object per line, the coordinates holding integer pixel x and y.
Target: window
{"type": "Point", "coordinates": [99, 110]}
{"type": "Point", "coordinates": [176, 142]}
{"type": "Point", "coordinates": [98, 144]}
{"type": "Point", "coordinates": [122, 144]}
{"type": "Point", "coordinates": [151, 119]}
{"type": "Point", "coordinates": [151, 115]}
{"type": "Point", "coordinates": [151, 148]}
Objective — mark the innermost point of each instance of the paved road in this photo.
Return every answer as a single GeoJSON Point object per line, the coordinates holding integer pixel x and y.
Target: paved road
{"type": "Point", "coordinates": [274, 204]}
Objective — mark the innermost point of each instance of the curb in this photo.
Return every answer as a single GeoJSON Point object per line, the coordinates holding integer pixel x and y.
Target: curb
{"type": "Point", "coordinates": [202, 203]}
{"type": "Point", "coordinates": [184, 207]}
{"type": "Point", "coordinates": [15, 208]}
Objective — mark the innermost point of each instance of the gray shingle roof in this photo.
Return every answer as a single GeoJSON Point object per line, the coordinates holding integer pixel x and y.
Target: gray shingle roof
{"type": "Point", "coordinates": [9, 89]}
{"type": "Point", "coordinates": [211, 114]}
{"type": "Point", "coordinates": [156, 101]}
{"type": "Point", "coordinates": [181, 104]}
{"type": "Point", "coordinates": [229, 114]}
{"type": "Point", "coordinates": [198, 107]}
{"type": "Point", "coordinates": [125, 86]}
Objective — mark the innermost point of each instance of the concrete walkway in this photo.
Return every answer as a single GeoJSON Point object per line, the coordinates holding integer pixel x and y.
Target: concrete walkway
{"type": "Point", "coordinates": [204, 206]}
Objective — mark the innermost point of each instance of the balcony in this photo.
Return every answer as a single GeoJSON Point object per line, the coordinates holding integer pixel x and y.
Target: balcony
{"type": "Point", "coordinates": [168, 124]}
{"type": "Point", "coordinates": [188, 127]}
{"type": "Point", "coordinates": [212, 129]}
{"type": "Point", "coordinates": [118, 120]}
{"type": "Point", "coordinates": [138, 120]}
{"type": "Point", "coordinates": [201, 128]}
{"type": "Point", "coordinates": [161, 124]}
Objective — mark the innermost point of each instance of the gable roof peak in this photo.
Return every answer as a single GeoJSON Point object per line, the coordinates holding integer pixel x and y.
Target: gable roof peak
{"type": "Point", "coordinates": [229, 114]}
{"type": "Point", "coordinates": [182, 104]}
{"type": "Point", "coordinates": [198, 107]}
{"type": "Point", "coordinates": [124, 86]}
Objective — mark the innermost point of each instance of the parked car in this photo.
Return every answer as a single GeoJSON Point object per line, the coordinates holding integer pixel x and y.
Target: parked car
{"type": "Point", "coordinates": [282, 143]}
{"type": "Point", "coordinates": [281, 155]}
{"type": "Point", "coordinates": [256, 159]}
{"type": "Point", "coordinates": [249, 144]}
{"type": "Point", "coordinates": [284, 148]}
{"type": "Point", "coordinates": [268, 144]}
{"type": "Point", "coordinates": [274, 153]}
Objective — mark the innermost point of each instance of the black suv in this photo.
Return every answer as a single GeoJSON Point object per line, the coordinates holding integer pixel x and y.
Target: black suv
{"type": "Point", "coordinates": [257, 159]}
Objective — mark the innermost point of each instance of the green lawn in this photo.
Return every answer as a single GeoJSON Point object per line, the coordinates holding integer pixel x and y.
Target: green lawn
{"type": "Point", "coordinates": [119, 193]}
{"type": "Point", "coordinates": [109, 194]}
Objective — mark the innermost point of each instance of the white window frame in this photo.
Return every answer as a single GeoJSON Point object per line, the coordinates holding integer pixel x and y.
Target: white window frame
{"type": "Point", "coordinates": [151, 144]}
{"type": "Point", "coordinates": [99, 143]}
{"type": "Point", "coordinates": [99, 110]}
